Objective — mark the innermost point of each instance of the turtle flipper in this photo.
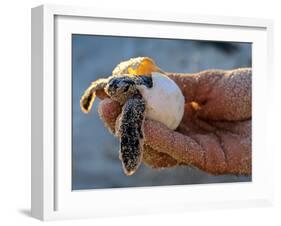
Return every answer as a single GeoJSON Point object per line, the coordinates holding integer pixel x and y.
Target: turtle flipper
{"type": "Point", "coordinates": [131, 134]}
{"type": "Point", "coordinates": [89, 95]}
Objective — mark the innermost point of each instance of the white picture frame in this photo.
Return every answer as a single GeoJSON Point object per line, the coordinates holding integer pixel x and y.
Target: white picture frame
{"type": "Point", "coordinates": [52, 197]}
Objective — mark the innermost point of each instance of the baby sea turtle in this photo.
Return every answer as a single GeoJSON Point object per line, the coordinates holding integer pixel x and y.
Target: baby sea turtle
{"type": "Point", "coordinates": [145, 92]}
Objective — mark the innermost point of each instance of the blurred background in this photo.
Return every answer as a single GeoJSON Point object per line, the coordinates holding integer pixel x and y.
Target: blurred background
{"type": "Point", "coordinates": [95, 162]}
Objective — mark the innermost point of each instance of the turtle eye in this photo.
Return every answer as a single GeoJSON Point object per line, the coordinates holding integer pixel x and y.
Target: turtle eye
{"type": "Point", "coordinates": [126, 88]}
{"type": "Point", "coordinates": [126, 84]}
{"type": "Point", "coordinates": [113, 84]}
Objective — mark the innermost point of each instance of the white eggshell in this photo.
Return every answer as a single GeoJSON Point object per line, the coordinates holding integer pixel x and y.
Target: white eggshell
{"type": "Point", "coordinates": [164, 101]}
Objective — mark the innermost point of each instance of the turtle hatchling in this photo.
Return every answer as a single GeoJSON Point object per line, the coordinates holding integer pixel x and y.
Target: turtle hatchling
{"type": "Point", "coordinates": [144, 91]}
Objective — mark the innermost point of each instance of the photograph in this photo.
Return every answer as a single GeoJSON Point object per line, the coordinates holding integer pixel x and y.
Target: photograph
{"type": "Point", "coordinates": [152, 111]}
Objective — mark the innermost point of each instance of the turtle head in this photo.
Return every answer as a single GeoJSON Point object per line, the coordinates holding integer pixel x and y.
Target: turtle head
{"type": "Point", "coordinates": [121, 88]}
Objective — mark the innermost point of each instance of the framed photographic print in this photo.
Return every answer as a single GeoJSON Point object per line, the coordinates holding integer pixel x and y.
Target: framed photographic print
{"type": "Point", "coordinates": [141, 112]}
